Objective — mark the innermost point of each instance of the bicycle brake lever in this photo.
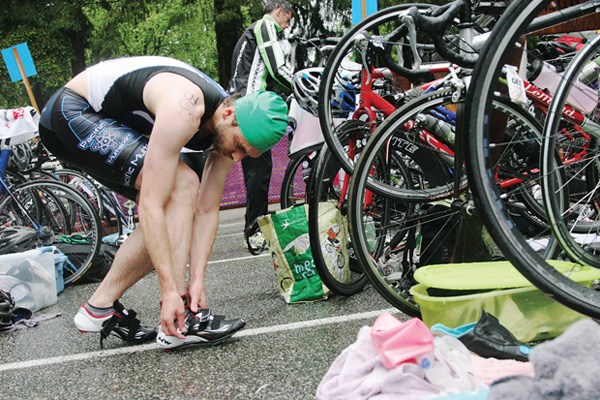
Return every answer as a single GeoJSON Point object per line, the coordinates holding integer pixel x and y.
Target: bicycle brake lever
{"type": "Point", "coordinates": [412, 38]}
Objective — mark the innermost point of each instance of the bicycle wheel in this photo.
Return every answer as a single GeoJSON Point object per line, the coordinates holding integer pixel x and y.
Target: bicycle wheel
{"type": "Point", "coordinates": [295, 179]}
{"type": "Point", "coordinates": [340, 84]}
{"type": "Point", "coordinates": [575, 220]}
{"type": "Point", "coordinates": [387, 222]}
{"type": "Point", "coordinates": [107, 206]}
{"type": "Point", "coordinates": [83, 184]}
{"type": "Point", "coordinates": [560, 283]}
{"type": "Point", "coordinates": [392, 239]}
{"type": "Point", "coordinates": [59, 214]}
{"type": "Point", "coordinates": [328, 227]}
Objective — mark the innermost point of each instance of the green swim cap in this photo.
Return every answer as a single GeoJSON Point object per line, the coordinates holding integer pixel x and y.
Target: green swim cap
{"type": "Point", "coordinates": [262, 117]}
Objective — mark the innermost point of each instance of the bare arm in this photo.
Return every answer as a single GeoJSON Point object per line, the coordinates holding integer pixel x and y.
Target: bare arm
{"type": "Point", "coordinates": [205, 224]}
{"type": "Point", "coordinates": [178, 106]}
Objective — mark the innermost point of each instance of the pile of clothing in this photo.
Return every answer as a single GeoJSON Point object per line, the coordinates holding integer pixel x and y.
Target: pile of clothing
{"type": "Point", "coordinates": [407, 360]}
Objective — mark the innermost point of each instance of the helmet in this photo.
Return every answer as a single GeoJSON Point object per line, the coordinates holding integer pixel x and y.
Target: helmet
{"type": "Point", "coordinates": [17, 239]}
{"type": "Point", "coordinates": [262, 117]}
{"type": "Point", "coordinates": [305, 85]}
{"type": "Point", "coordinates": [306, 90]}
{"type": "Point", "coordinates": [21, 156]}
{"type": "Point", "coordinates": [7, 303]}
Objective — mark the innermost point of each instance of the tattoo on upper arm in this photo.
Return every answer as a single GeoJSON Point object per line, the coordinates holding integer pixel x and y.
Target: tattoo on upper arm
{"type": "Point", "coordinates": [188, 104]}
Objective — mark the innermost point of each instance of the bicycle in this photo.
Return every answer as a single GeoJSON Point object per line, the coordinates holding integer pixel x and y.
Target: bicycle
{"type": "Point", "coordinates": [43, 212]}
{"type": "Point", "coordinates": [35, 162]}
{"type": "Point", "coordinates": [390, 37]}
{"type": "Point", "coordinates": [521, 18]}
{"type": "Point", "coordinates": [393, 276]}
{"type": "Point", "coordinates": [429, 195]}
{"type": "Point", "coordinates": [346, 80]}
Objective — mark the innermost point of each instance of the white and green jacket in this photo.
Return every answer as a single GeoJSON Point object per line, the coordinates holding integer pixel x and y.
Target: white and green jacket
{"type": "Point", "coordinates": [259, 60]}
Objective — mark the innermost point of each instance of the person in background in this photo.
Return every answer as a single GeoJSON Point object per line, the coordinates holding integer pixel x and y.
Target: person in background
{"type": "Point", "coordinates": [259, 63]}
{"type": "Point", "coordinates": [88, 123]}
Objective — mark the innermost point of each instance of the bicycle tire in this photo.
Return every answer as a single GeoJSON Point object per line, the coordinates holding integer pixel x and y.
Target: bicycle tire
{"type": "Point", "coordinates": [343, 278]}
{"type": "Point", "coordinates": [107, 207]}
{"type": "Point", "coordinates": [432, 219]}
{"type": "Point", "coordinates": [382, 230]}
{"type": "Point", "coordinates": [334, 63]}
{"type": "Point", "coordinates": [561, 211]}
{"type": "Point", "coordinates": [83, 184]}
{"type": "Point", "coordinates": [512, 25]}
{"type": "Point", "coordinates": [294, 183]}
{"type": "Point", "coordinates": [61, 212]}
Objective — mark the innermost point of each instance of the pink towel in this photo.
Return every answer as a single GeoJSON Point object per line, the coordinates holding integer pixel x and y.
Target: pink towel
{"type": "Point", "coordinates": [358, 373]}
{"type": "Point", "coordinates": [399, 342]}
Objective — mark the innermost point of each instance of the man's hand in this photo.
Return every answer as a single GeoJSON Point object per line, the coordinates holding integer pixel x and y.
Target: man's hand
{"type": "Point", "coordinates": [172, 309]}
{"type": "Point", "coordinates": [196, 295]}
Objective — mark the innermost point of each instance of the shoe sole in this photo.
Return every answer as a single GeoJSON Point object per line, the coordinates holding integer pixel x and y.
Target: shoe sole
{"type": "Point", "coordinates": [193, 341]}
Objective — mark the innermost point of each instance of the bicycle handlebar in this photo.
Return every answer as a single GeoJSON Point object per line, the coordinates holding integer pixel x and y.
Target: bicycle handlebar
{"type": "Point", "coordinates": [434, 21]}
{"type": "Point", "coordinates": [439, 21]}
{"type": "Point", "coordinates": [383, 50]}
{"type": "Point", "coordinates": [442, 17]}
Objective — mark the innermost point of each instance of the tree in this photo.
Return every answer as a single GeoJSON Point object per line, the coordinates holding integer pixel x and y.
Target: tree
{"type": "Point", "coordinates": [64, 36]}
{"type": "Point", "coordinates": [181, 29]}
{"type": "Point", "coordinates": [56, 33]}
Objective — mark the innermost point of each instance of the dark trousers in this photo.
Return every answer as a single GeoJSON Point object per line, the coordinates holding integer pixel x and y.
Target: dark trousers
{"type": "Point", "coordinates": [257, 176]}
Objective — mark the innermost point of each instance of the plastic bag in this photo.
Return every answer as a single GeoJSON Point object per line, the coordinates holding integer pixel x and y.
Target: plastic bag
{"type": "Point", "coordinates": [286, 233]}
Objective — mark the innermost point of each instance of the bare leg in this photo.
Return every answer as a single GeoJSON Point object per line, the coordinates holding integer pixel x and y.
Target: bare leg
{"type": "Point", "coordinates": [131, 264]}
{"type": "Point", "coordinates": [132, 261]}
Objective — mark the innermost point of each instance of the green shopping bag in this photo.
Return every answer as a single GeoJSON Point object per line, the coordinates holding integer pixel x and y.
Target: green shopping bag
{"type": "Point", "coordinates": [286, 233]}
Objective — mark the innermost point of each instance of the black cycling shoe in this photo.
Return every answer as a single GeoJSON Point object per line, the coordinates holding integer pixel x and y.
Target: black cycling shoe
{"type": "Point", "coordinates": [489, 338]}
{"type": "Point", "coordinates": [203, 329]}
{"type": "Point", "coordinates": [122, 323]}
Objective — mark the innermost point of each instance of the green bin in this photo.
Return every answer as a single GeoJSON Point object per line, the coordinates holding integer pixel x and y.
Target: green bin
{"type": "Point", "coordinates": [455, 294]}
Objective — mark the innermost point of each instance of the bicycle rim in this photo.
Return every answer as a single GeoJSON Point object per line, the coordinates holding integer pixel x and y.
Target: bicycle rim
{"type": "Point", "coordinates": [294, 184]}
{"type": "Point", "coordinates": [575, 222]}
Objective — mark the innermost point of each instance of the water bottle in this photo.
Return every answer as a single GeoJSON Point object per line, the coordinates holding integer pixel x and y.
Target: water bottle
{"type": "Point", "coordinates": [544, 75]}
{"type": "Point", "coordinates": [589, 74]}
{"type": "Point", "coordinates": [439, 128]}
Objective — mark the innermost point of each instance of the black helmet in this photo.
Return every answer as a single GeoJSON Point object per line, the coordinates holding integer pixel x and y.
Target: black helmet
{"type": "Point", "coordinates": [16, 239]}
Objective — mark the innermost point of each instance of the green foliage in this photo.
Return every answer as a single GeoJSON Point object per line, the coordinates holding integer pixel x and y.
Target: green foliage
{"type": "Point", "coordinates": [324, 17]}
{"type": "Point", "coordinates": [64, 36]}
{"type": "Point", "coordinates": [175, 28]}
{"type": "Point", "coordinates": [49, 28]}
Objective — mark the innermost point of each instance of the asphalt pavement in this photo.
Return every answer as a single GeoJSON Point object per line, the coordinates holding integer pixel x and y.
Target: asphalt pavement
{"type": "Point", "coordinates": [283, 353]}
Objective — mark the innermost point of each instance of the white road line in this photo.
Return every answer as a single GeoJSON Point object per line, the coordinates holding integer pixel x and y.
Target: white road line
{"type": "Point", "coordinates": [231, 224]}
{"type": "Point", "coordinates": [153, 346]}
{"type": "Point", "coordinates": [238, 259]}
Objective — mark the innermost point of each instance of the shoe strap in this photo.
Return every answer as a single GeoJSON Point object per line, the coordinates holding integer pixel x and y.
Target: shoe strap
{"type": "Point", "coordinates": [125, 318]}
{"type": "Point", "coordinates": [207, 318]}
